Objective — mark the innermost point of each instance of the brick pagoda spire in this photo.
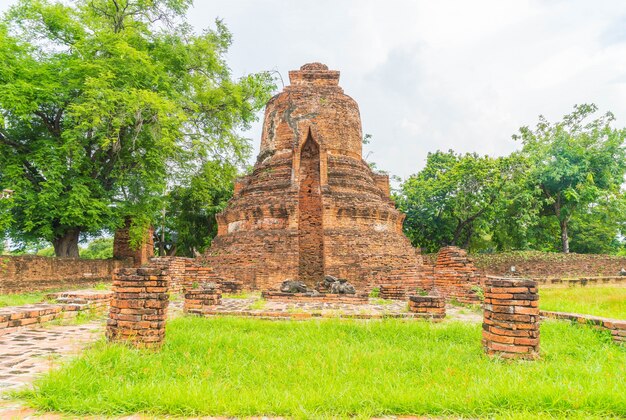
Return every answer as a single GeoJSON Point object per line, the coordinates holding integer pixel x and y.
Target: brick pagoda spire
{"type": "Point", "coordinates": [312, 206]}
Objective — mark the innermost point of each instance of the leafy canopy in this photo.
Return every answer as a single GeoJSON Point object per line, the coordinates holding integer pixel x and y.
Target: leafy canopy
{"type": "Point", "coordinates": [575, 163]}
{"type": "Point", "coordinates": [453, 198]}
{"type": "Point", "coordinates": [103, 104]}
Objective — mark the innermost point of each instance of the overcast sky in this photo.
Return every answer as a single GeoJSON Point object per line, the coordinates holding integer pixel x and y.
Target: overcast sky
{"type": "Point", "coordinates": [428, 75]}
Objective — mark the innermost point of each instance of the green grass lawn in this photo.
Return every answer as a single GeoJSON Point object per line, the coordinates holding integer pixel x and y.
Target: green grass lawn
{"type": "Point", "coordinates": [609, 302]}
{"type": "Point", "coordinates": [22, 298]}
{"type": "Point", "coordinates": [19, 299]}
{"type": "Point", "coordinates": [334, 368]}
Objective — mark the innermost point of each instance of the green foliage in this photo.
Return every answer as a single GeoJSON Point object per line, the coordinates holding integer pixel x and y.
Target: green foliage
{"type": "Point", "coordinates": [19, 299]}
{"type": "Point", "coordinates": [103, 104]}
{"type": "Point", "coordinates": [575, 163]}
{"type": "Point", "coordinates": [375, 292]}
{"type": "Point", "coordinates": [99, 248]}
{"type": "Point", "coordinates": [245, 367]}
{"type": "Point", "coordinates": [453, 199]}
{"type": "Point", "coordinates": [190, 222]}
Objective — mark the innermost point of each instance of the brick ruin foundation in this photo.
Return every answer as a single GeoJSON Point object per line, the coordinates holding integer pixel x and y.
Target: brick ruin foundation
{"type": "Point", "coordinates": [428, 306]}
{"type": "Point", "coordinates": [139, 306]}
{"type": "Point", "coordinates": [201, 301]}
{"type": "Point", "coordinates": [392, 291]}
{"type": "Point", "coordinates": [511, 318]}
{"type": "Point", "coordinates": [456, 277]}
{"type": "Point", "coordinates": [357, 299]}
{"type": "Point", "coordinates": [312, 206]}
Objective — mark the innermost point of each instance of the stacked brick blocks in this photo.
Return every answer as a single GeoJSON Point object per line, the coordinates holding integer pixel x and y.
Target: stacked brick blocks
{"type": "Point", "coordinates": [139, 306]}
{"type": "Point", "coordinates": [392, 291]}
{"type": "Point", "coordinates": [428, 306]}
{"type": "Point", "coordinates": [511, 318]}
{"type": "Point", "coordinates": [201, 301]}
{"type": "Point", "coordinates": [456, 277]}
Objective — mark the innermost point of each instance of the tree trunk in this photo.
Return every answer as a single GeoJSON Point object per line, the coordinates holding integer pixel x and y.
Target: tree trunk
{"type": "Point", "coordinates": [564, 237]}
{"type": "Point", "coordinates": [66, 246]}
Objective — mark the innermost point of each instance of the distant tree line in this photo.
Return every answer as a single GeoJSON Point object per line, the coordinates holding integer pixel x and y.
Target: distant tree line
{"type": "Point", "coordinates": [563, 191]}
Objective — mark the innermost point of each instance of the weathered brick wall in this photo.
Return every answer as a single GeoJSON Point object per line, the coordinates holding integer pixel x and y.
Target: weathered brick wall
{"type": "Point", "coordinates": [28, 273]}
{"type": "Point", "coordinates": [511, 318]}
{"type": "Point", "coordinates": [392, 291]}
{"type": "Point", "coordinates": [549, 264]}
{"type": "Point", "coordinates": [428, 306]}
{"type": "Point", "coordinates": [177, 268]}
{"type": "Point", "coordinates": [123, 250]}
{"type": "Point", "coordinates": [456, 277]}
{"type": "Point", "coordinates": [312, 206]}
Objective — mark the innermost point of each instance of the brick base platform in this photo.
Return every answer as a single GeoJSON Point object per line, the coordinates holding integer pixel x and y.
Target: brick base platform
{"type": "Point", "coordinates": [361, 299]}
{"type": "Point", "coordinates": [511, 318]}
{"type": "Point", "coordinates": [200, 301]}
{"type": "Point", "coordinates": [617, 327]}
{"type": "Point", "coordinates": [428, 306]}
{"type": "Point", "coordinates": [68, 305]}
{"type": "Point", "coordinates": [392, 291]}
{"type": "Point", "coordinates": [139, 306]}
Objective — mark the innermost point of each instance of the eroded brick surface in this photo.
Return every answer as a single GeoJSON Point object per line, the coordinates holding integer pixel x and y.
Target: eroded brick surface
{"type": "Point", "coordinates": [511, 318]}
{"type": "Point", "coordinates": [139, 306]}
{"type": "Point", "coordinates": [456, 277]}
{"type": "Point", "coordinates": [428, 306]}
{"type": "Point", "coordinates": [312, 206]}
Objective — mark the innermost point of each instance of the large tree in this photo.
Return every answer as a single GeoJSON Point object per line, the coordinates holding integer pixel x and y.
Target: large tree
{"type": "Point", "coordinates": [575, 164]}
{"type": "Point", "coordinates": [191, 209]}
{"type": "Point", "coordinates": [104, 104]}
{"type": "Point", "coordinates": [452, 200]}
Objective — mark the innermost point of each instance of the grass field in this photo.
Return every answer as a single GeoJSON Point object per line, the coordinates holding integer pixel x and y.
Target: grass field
{"type": "Point", "coordinates": [333, 368]}
{"type": "Point", "coordinates": [600, 301]}
{"type": "Point", "coordinates": [21, 298]}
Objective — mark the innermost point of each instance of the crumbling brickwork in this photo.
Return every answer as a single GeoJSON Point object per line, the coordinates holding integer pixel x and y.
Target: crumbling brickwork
{"type": "Point", "coordinates": [428, 306]}
{"type": "Point", "coordinates": [456, 277]}
{"type": "Point", "coordinates": [139, 306]}
{"type": "Point", "coordinates": [202, 301]}
{"type": "Point", "coordinates": [535, 264]}
{"type": "Point", "coordinates": [392, 291]}
{"type": "Point", "coordinates": [122, 248]}
{"type": "Point", "coordinates": [27, 273]}
{"type": "Point", "coordinates": [511, 318]}
{"type": "Point", "coordinates": [312, 206]}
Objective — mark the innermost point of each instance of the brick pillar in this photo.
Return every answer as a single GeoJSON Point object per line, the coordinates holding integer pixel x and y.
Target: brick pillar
{"type": "Point", "coordinates": [511, 318]}
{"type": "Point", "coordinates": [139, 306]}
{"type": "Point", "coordinates": [122, 249]}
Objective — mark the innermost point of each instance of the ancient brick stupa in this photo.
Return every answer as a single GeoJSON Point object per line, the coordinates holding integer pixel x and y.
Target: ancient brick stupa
{"type": "Point", "coordinates": [312, 206]}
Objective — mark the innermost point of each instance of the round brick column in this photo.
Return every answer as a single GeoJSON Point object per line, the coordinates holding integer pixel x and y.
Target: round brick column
{"type": "Point", "coordinates": [511, 318]}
